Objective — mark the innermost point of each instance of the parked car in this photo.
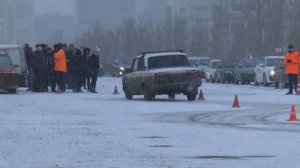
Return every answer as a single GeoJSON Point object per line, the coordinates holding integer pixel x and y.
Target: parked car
{"type": "Point", "coordinates": [210, 72]}
{"type": "Point", "coordinates": [158, 73]}
{"type": "Point", "coordinates": [121, 66]}
{"type": "Point", "coordinates": [17, 56]}
{"type": "Point", "coordinates": [9, 78]}
{"type": "Point", "coordinates": [225, 72]}
{"type": "Point", "coordinates": [244, 71]}
{"type": "Point", "coordinates": [265, 70]}
{"type": "Point", "coordinates": [201, 63]}
{"type": "Point", "coordinates": [280, 77]}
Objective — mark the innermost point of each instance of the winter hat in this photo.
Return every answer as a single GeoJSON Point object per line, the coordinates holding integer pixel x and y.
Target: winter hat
{"type": "Point", "coordinates": [290, 46]}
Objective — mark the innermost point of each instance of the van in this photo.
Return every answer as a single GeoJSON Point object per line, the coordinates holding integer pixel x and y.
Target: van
{"type": "Point", "coordinates": [18, 58]}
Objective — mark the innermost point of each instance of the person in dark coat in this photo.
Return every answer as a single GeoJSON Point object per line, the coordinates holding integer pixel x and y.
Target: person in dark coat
{"type": "Point", "coordinates": [69, 78]}
{"type": "Point", "coordinates": [50, 69]}
{"type": "Point", "coordinates": [77, 69]}
{"type": "Point", "coordinates": [94, 65]}
{"type": "Point", "coordinates": [29, 56]}
{"type": "Point", "coordinates": [39, 66]}
{"type": "Point", "coordinates": [86, 75]}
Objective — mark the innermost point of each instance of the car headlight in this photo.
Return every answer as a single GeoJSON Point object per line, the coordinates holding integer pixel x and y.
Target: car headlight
{"type": "Point", "coordinates": [272, 72]}
{"type": "Point", "coordinates": [122, 68]}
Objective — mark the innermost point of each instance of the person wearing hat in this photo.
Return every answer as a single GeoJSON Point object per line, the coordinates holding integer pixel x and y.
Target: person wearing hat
{"type": "Point", "coordinates": [292, 68]}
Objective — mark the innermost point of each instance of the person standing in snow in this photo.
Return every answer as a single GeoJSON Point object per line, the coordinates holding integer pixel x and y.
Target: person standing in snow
{"type": "Point", "coordinates": [60, 67]}
{"type": "Point", "coordinates": [94, 66]}
{"type": "Point", "coordinates": [292, 68]}
{"type": "Point", "coordinates": [39, 66]}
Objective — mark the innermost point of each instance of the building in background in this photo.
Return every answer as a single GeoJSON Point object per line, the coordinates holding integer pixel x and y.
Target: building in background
{"type": "Point", "coordinates": [16, 21]}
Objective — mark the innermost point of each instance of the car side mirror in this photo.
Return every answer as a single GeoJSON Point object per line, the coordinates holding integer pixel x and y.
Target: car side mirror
{"type": "Point", "coordinates": [16, 66]}
{"type": "Point", "coordinates": [128, 71]}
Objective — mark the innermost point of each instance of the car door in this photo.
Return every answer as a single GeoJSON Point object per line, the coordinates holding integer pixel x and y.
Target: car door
{"type": "Point", "coordinates": [131, 77]}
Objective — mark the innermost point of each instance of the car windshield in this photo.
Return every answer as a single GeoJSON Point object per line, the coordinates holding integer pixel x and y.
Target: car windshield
{"type": "Point", "coordinates": [230, 64]}
{"type": "Point", "coordinates": [273, 61]}
{"type": "Point", "coordinates": [194, 62]}
{"type": "Point", "coordinates": [5, 59]}
{"type": "Point", "coordinates": [204, 62]}
{"type": "Point", "coordinates": [249, 63]}
{"type": "Point", "coordinates": [14, 53]}
{"type": "Point", "coordinates": [168, 61]}
{"type": "Point", "coordinates": [216, 64]}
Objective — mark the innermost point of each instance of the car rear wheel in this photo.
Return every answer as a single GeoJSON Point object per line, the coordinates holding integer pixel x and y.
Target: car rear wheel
{"type": "Point", "coordinates": [191, 96]}
{"type": "Point", "coordinates": [172, 96]}
{"type": "Point", "coordinates": [12, 91]}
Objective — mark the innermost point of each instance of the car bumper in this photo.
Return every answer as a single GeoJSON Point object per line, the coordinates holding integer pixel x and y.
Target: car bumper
{"type": "Point", "coordinates": [180, 87]}
{"type": "Point", "coordinates": [9, 81]}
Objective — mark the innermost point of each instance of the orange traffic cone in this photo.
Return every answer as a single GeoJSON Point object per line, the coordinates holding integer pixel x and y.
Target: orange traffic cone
{"type": "Point", "coordinates": [201, 96]}
{"type": "Point", "coordinates": [116, 92]}
{"type": "Point", "coordinates": [236, 103]}
{"type": "Point", "coordinates": [293, 115]}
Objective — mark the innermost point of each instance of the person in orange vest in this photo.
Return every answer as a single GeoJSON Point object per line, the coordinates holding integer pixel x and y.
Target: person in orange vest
{"type": "Point", "coordinates": [60, 67]}
{"type": "Point", "coordinates": [292, 68]}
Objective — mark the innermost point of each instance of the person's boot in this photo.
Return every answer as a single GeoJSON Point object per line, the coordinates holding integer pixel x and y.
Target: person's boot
{"type": "Point", "coordinates": [58, 90]}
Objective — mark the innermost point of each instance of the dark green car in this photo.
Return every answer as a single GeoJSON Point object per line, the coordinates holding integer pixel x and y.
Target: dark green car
{"type": "Point", "coordinates": [159, 73]}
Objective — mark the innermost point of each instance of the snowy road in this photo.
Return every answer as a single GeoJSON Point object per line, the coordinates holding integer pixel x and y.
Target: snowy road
{"type": "Point", "coordinates": [107, 131]}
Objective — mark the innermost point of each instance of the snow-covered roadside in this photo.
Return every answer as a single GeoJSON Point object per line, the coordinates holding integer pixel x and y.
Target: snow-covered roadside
{"type": "Point", "coordinates": [105, 130]}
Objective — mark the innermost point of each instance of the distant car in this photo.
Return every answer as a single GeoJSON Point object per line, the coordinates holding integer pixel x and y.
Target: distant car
{"type": "Point", "coordinates": [17, 56]}
{"type": "Point", "coordinates": [158, 73]}
{"type": "Point", "coordinates": [121, 66]}
{"type": "Point", "coordinates": [9, 78]}
{"type": "Point", "coordinates": [225, 72]}
{"type": "Point", "coordinates": [280, 77]}
{"type": "Point", "coordinates": [244, 71]}
{"type": "Point", "coordinates": [265, 70]}
{"type": "Point", "coordinates": [210, 72]}
{"type": "Point", "coordinates": [201, 63]}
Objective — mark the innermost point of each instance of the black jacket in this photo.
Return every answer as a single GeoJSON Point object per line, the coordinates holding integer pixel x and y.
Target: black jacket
{"type": "Point", "coordinates": [93, 64]}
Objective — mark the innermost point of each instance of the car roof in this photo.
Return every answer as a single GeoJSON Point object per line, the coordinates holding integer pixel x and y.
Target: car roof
{"type": "Point", "coordinates": [198, 58]}
{"type": "Point", "coordinates": [9, 46]}
{"type": "Point", "coordinates": [273, 57]}
{"type": "Point", "coordinates": [156, 54]}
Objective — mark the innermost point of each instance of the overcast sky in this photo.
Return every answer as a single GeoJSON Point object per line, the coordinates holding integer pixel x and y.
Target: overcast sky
{"type": "Point", "coordinates": [54, 6]}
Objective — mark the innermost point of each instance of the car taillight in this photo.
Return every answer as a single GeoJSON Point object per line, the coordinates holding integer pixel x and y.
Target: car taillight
{"type": "Point", "coordinates": [195, 74]}
{"type": "Point", "coordinates": [160, 77]}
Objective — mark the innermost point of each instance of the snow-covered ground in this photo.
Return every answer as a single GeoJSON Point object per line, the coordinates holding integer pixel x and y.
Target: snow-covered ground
{"type": "Point", "coordinates": [103, 130]}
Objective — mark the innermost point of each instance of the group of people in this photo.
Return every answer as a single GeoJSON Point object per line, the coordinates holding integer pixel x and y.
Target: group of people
{"type": "Point", "coordinates": [62, 67]}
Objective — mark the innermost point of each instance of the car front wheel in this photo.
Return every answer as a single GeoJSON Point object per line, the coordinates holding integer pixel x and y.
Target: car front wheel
{"type": "Point", "coordinates": [265, 81]}
{"type": "Point", "coordinates": [255, 81]}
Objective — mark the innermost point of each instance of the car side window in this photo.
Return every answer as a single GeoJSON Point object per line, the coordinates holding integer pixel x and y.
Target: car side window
{"type": "Point", "coordinates": [141, 65]}
{"type": "Point", "coordinates": [135, 65]}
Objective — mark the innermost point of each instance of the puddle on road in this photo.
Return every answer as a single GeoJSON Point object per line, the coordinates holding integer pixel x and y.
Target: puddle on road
{"type": "Point", "coordinates": [161, 146]}
{"type": "Point", "coordinates": [228, 157]}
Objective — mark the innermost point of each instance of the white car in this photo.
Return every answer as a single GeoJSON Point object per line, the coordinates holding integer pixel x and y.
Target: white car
{"type": "Point", "coordinates": [17, 56]}
{"type": "Point", "coordinates": [210, 72]}
{"type": "Point", "coordinates": [265, 70]}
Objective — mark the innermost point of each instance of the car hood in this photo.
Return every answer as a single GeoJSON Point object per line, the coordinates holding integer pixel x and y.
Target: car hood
{"type": "Point", "coordinates": [228, 69]}
{"type": "Point", "coordinates": [176, 69]}
{"type": "Point", "coordinates": [7, 69]}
